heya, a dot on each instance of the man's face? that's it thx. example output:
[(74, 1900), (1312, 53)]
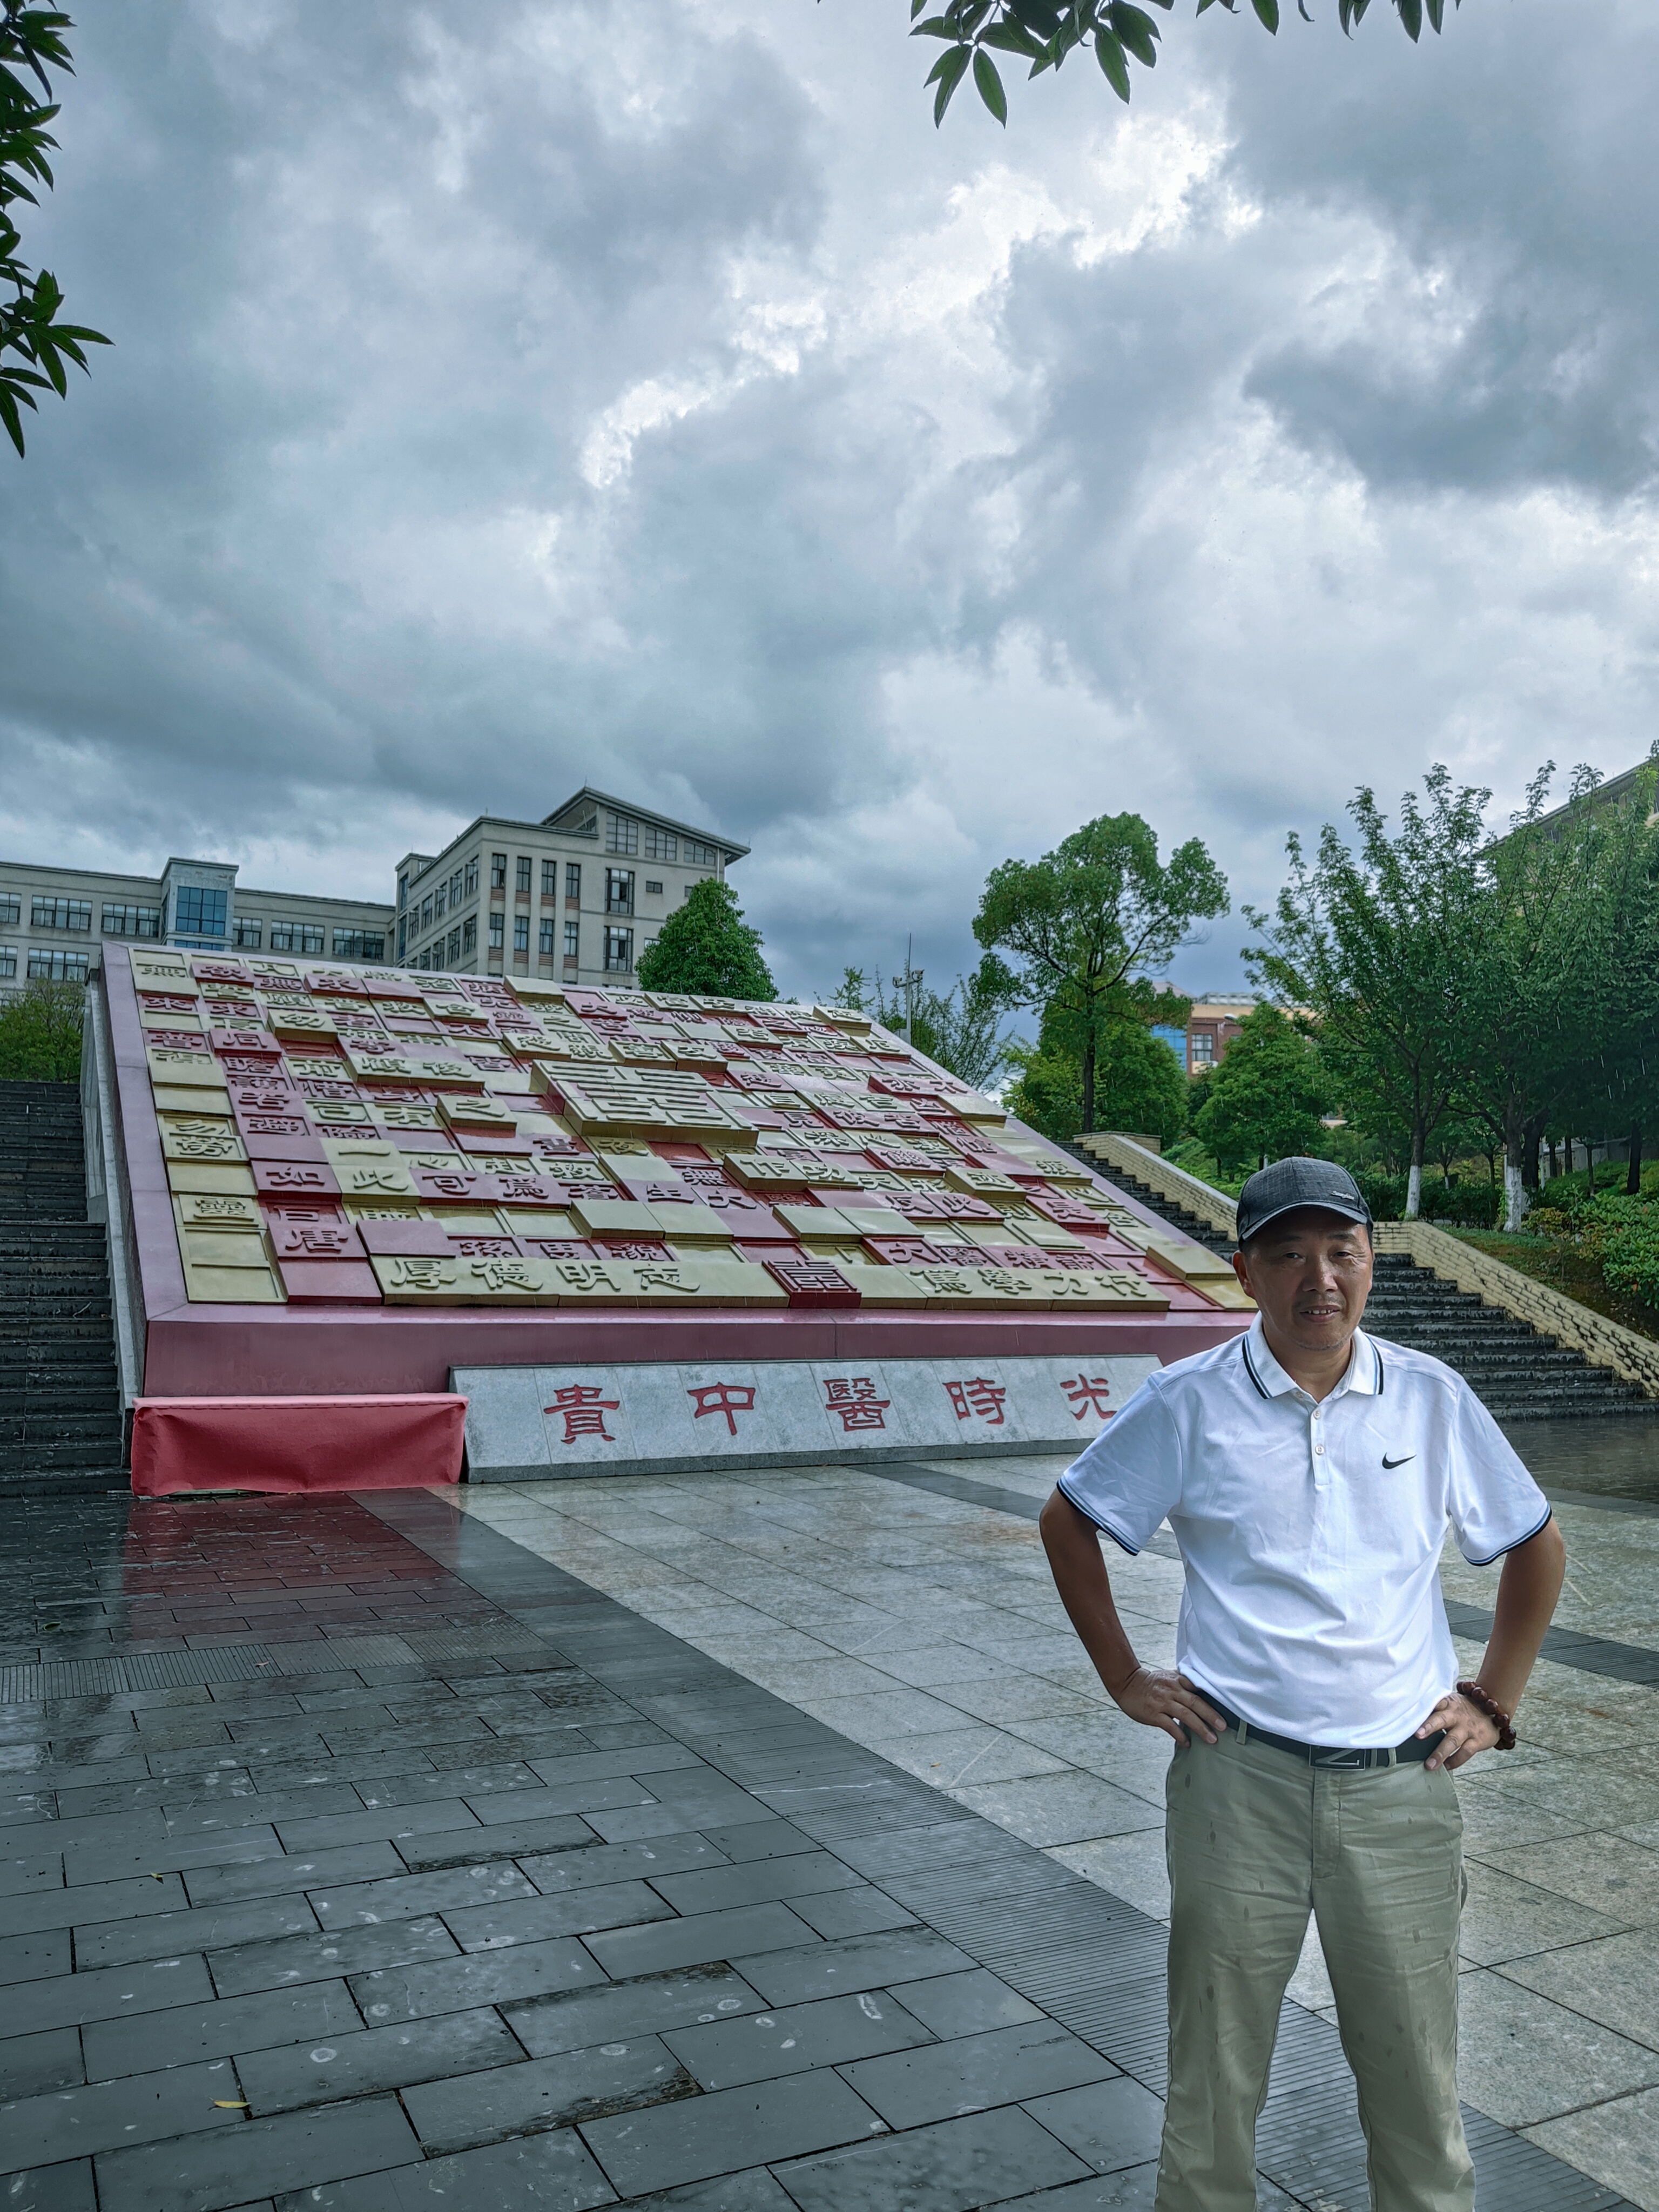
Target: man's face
[(1310, 1273)]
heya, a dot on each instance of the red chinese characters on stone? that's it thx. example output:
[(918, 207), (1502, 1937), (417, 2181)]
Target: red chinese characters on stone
[(727, 1398), (583, 1406), (978, 1398), (1088, 1394), (852, 1398)]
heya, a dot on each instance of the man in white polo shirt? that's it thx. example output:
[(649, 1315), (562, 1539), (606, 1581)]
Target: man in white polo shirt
[(1309, 1472)]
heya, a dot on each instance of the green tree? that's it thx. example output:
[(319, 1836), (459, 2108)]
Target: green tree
[(961, 1029), (1140, 1086), (1044, 32), (1088, 921), (33, 344), (41, 1034), (707, 946), (1378, 944), (1265, 1100)]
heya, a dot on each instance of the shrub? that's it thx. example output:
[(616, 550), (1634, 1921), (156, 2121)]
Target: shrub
[(1630, 1256), (1469, 1205), (1384, 1193)]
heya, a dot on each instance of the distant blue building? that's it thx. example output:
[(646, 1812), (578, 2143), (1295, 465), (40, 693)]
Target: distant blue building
[(1176, 1041)]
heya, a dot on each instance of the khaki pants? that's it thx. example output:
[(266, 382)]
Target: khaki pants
[(1257, 1839)]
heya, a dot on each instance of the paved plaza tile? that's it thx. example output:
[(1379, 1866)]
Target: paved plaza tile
[(734, 1844)]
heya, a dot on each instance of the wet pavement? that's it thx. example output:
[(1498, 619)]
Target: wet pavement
[(363, 1855)]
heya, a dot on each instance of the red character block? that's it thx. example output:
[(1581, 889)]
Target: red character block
[(294, 1179), (812, 1283), (278, 1137), (309, 1233)]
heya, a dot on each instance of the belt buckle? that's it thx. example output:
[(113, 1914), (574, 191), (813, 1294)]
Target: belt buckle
[(1341, 1759)]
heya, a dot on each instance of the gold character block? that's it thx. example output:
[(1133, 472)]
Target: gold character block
[(884, 1286), (158, 1018), (380, 1067), (501, 1282), (234, 1213), (874, 1221), (199, 1137), (416, 1282), (1232, 1297), (691, 1225), (228, 1180), (191, 1070), (592, 1283), (337, 1113), (1106, 1289), (1194, 1263), (159, 971), (818, 1222), (470, 1221), (368, 1170), (408, 1117), (615, 1217), (292, 1021), (177, 1099), (462, 1111), (232, 1286)]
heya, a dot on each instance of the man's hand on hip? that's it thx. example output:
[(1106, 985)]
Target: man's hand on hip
[(1468, 1731), (1160, 1698)]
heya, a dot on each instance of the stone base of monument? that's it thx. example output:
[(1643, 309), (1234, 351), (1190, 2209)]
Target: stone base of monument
[(532, 1423)]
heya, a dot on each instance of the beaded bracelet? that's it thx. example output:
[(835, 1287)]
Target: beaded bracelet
[(1493, 1709)]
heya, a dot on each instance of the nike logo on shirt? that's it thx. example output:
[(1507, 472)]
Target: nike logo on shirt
[(1400, 1461)]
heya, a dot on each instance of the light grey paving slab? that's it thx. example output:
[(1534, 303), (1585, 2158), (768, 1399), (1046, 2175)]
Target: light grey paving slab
[(1522, 2058), (1614, 1982), (1062, 1808), (1605, 1872), (1617, 2143)]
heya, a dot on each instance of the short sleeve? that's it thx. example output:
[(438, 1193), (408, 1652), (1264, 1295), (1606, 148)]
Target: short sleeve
[(1130, 1477), (1491, 1496)]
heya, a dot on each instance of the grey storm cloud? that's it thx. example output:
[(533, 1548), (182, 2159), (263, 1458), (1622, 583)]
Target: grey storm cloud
[(542, 394)]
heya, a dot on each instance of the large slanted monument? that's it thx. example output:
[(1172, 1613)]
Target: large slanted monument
[(636, 1231)]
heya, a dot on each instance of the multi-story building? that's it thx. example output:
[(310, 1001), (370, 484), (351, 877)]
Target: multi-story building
[(577, 896), (1210, 1028)]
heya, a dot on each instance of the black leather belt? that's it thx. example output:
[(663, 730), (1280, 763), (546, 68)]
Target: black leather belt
[(1340, 1758)]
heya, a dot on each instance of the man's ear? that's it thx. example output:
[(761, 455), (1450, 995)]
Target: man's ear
[(1242, 1269)]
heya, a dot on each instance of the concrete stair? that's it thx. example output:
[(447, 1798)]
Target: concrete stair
[(60, 1407), (1519, 1372)]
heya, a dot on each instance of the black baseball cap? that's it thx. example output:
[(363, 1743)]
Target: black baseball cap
[(1288, 1184)]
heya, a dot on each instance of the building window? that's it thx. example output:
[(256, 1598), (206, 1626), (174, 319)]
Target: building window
[(498, 872), (76, 913), (573, 879), (698, 856), (248, 934), (571, 939), (1203, 1048), (652, 887), (57, 967), (619, 890), (521, 932), (127, 920), (521, 875), (403, 934), (470, 933), (662, 845), (10, 910), (544, 944), (622, 833), (472, 875), (440, 901), (426, 913), (8, 963), (198, 911), (549, 878), (456, 892), (497, 931), (618, 952), (295, 937), (358, 945), (402, 892), (454, 946)]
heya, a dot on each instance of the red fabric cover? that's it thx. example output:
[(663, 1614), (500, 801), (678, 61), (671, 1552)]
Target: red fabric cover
[(295, 1443)]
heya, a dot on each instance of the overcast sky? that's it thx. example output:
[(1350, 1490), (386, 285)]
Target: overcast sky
[(537, 393)]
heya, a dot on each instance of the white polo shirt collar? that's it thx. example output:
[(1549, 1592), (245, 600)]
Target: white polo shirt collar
[(1364, 1371)]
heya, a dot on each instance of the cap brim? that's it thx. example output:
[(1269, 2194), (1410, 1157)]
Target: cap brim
[(1344, 1208)]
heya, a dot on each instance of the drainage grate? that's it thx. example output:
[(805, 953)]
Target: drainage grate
[(179, 1670)]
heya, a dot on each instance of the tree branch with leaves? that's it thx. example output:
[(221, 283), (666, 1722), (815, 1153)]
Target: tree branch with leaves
[(1117, 32), (34, 345)]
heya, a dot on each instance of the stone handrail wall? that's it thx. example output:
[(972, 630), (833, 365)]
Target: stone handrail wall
[(1213, 1207), (1604, 1343)]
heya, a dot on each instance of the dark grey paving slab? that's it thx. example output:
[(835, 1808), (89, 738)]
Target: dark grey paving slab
[(546, 2092), (296, 2150), (662, 1945), (728, 2130), (717, 1889), (539, 2173), (69, 2124), (860, 1911), (759, 2047), (603, 1863), (372, 2059), (222, 1816), (965, 2004), (30, 2064), (949, 2167), (65, 2188), (974, 2072), (319, 1958), (508, 1840), (38, 1870), (29, 1958), (115, 1862), (762, 1836), (573, 1912), (618, 2010), (862, 1962), (307, 1870), (162, 1935), (410, 1896), (479, 1977), (107, 1993), (89, 1903), (328, 1827), (218, 2030), (1113, 2124), (1133, 2191)]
